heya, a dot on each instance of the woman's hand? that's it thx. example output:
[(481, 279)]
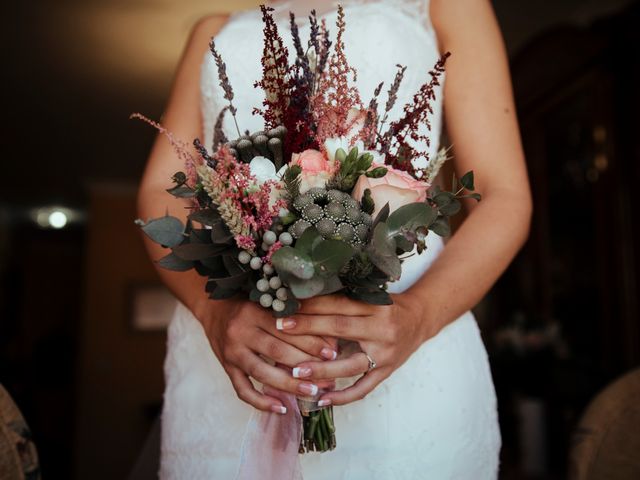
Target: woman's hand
[(241, 332), (388, 334)]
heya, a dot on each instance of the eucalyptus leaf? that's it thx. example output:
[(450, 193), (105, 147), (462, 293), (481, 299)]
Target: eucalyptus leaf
[(293, 261), (167, 231), (235, 281), (175, 263), (182, 191), (403, 243), (451, 208), (221, 234), (332, 285), (372, 297), (382, 252), (409, 217), (230, 262), (382, 216), (196, 251), (475, 196), (329, 256), (443, 198), (221, 293), (441, 227), (467, 180), (206, 216), (308, 240), (302, 289)]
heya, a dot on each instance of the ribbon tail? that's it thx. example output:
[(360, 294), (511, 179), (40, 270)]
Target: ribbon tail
[(271, 441)]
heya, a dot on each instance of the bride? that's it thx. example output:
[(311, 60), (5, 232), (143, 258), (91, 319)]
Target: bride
[(428, 408)]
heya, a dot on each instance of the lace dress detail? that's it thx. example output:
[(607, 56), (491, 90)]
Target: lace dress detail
[(436, 416)]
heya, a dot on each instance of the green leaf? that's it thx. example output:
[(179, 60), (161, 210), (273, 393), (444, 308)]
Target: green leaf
[(467, 180), (221, 234), (182, 191), (234, 281), (382, 252), (222, 293), (302, 289), (308, 240), (340, 155), (175, 263), (197, 251), (451, 208), (255, 294), (380, 217), (443, 198), (332, 285), (409, 217), (475, 196), (441, 227), (167, 231), (206, 216), (292, 172), (231, 263), (372, 297), (364, 162), (377, 172), (368, 205), (292, 261), (329, 256), (403, 243)]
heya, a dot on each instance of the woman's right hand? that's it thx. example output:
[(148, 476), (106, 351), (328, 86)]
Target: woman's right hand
[(241, 333)]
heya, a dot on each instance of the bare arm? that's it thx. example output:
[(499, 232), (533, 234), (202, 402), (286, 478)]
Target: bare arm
[(482, 125), (239, 331)]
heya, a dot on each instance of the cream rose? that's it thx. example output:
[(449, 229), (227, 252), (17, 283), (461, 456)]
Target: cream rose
[(397, 188), (317, 170)]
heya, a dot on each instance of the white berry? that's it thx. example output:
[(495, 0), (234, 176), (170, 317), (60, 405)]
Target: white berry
[(262, 285), (244, 257), (268, 269), (286, 238), (265, 247), (277, 305), (275, 283), (266, 300), (269, 237), (281, 293), (255, 263)]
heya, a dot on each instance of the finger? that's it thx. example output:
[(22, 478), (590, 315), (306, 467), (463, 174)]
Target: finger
[(248, 394), (314, 345), (275, 377), (343, 368), (278, 350), (357, 391), (340, 326), (335, 305)]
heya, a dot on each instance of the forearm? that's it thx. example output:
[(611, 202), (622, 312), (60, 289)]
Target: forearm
[(473, 259)]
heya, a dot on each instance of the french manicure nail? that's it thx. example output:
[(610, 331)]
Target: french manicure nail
[(325, 402), (279, 409), (285, 323), (308, 389), (328, 354), (301, 372)]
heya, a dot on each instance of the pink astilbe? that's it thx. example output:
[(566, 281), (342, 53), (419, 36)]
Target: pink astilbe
[(275, 73), (395, 143), (244, 205), (334, 96), (182, 149)]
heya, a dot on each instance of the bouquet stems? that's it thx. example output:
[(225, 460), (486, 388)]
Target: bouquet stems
[(318, 431)]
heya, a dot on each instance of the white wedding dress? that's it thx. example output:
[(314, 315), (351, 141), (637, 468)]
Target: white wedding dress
[(435, 417)]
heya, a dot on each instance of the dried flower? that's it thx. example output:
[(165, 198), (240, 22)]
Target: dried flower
[(224, 81)]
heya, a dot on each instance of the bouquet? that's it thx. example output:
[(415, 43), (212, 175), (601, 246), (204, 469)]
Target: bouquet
[(325, 199)]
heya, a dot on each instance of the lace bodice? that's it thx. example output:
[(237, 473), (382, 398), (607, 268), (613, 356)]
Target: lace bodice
[(379, 35)]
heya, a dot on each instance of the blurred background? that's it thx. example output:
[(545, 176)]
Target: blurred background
[(81, 323)]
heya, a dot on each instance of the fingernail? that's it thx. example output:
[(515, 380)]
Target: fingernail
[(279, 409), (308, 389), (325, 402), (328, 354), (301, 372), (285, 323)]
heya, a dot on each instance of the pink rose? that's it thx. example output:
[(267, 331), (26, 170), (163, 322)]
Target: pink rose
[(316, 169), (398, 188)]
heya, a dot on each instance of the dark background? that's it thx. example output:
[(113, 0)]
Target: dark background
[(559, 326)]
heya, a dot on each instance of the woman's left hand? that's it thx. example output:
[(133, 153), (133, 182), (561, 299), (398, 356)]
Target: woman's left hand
[(388, 334)]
